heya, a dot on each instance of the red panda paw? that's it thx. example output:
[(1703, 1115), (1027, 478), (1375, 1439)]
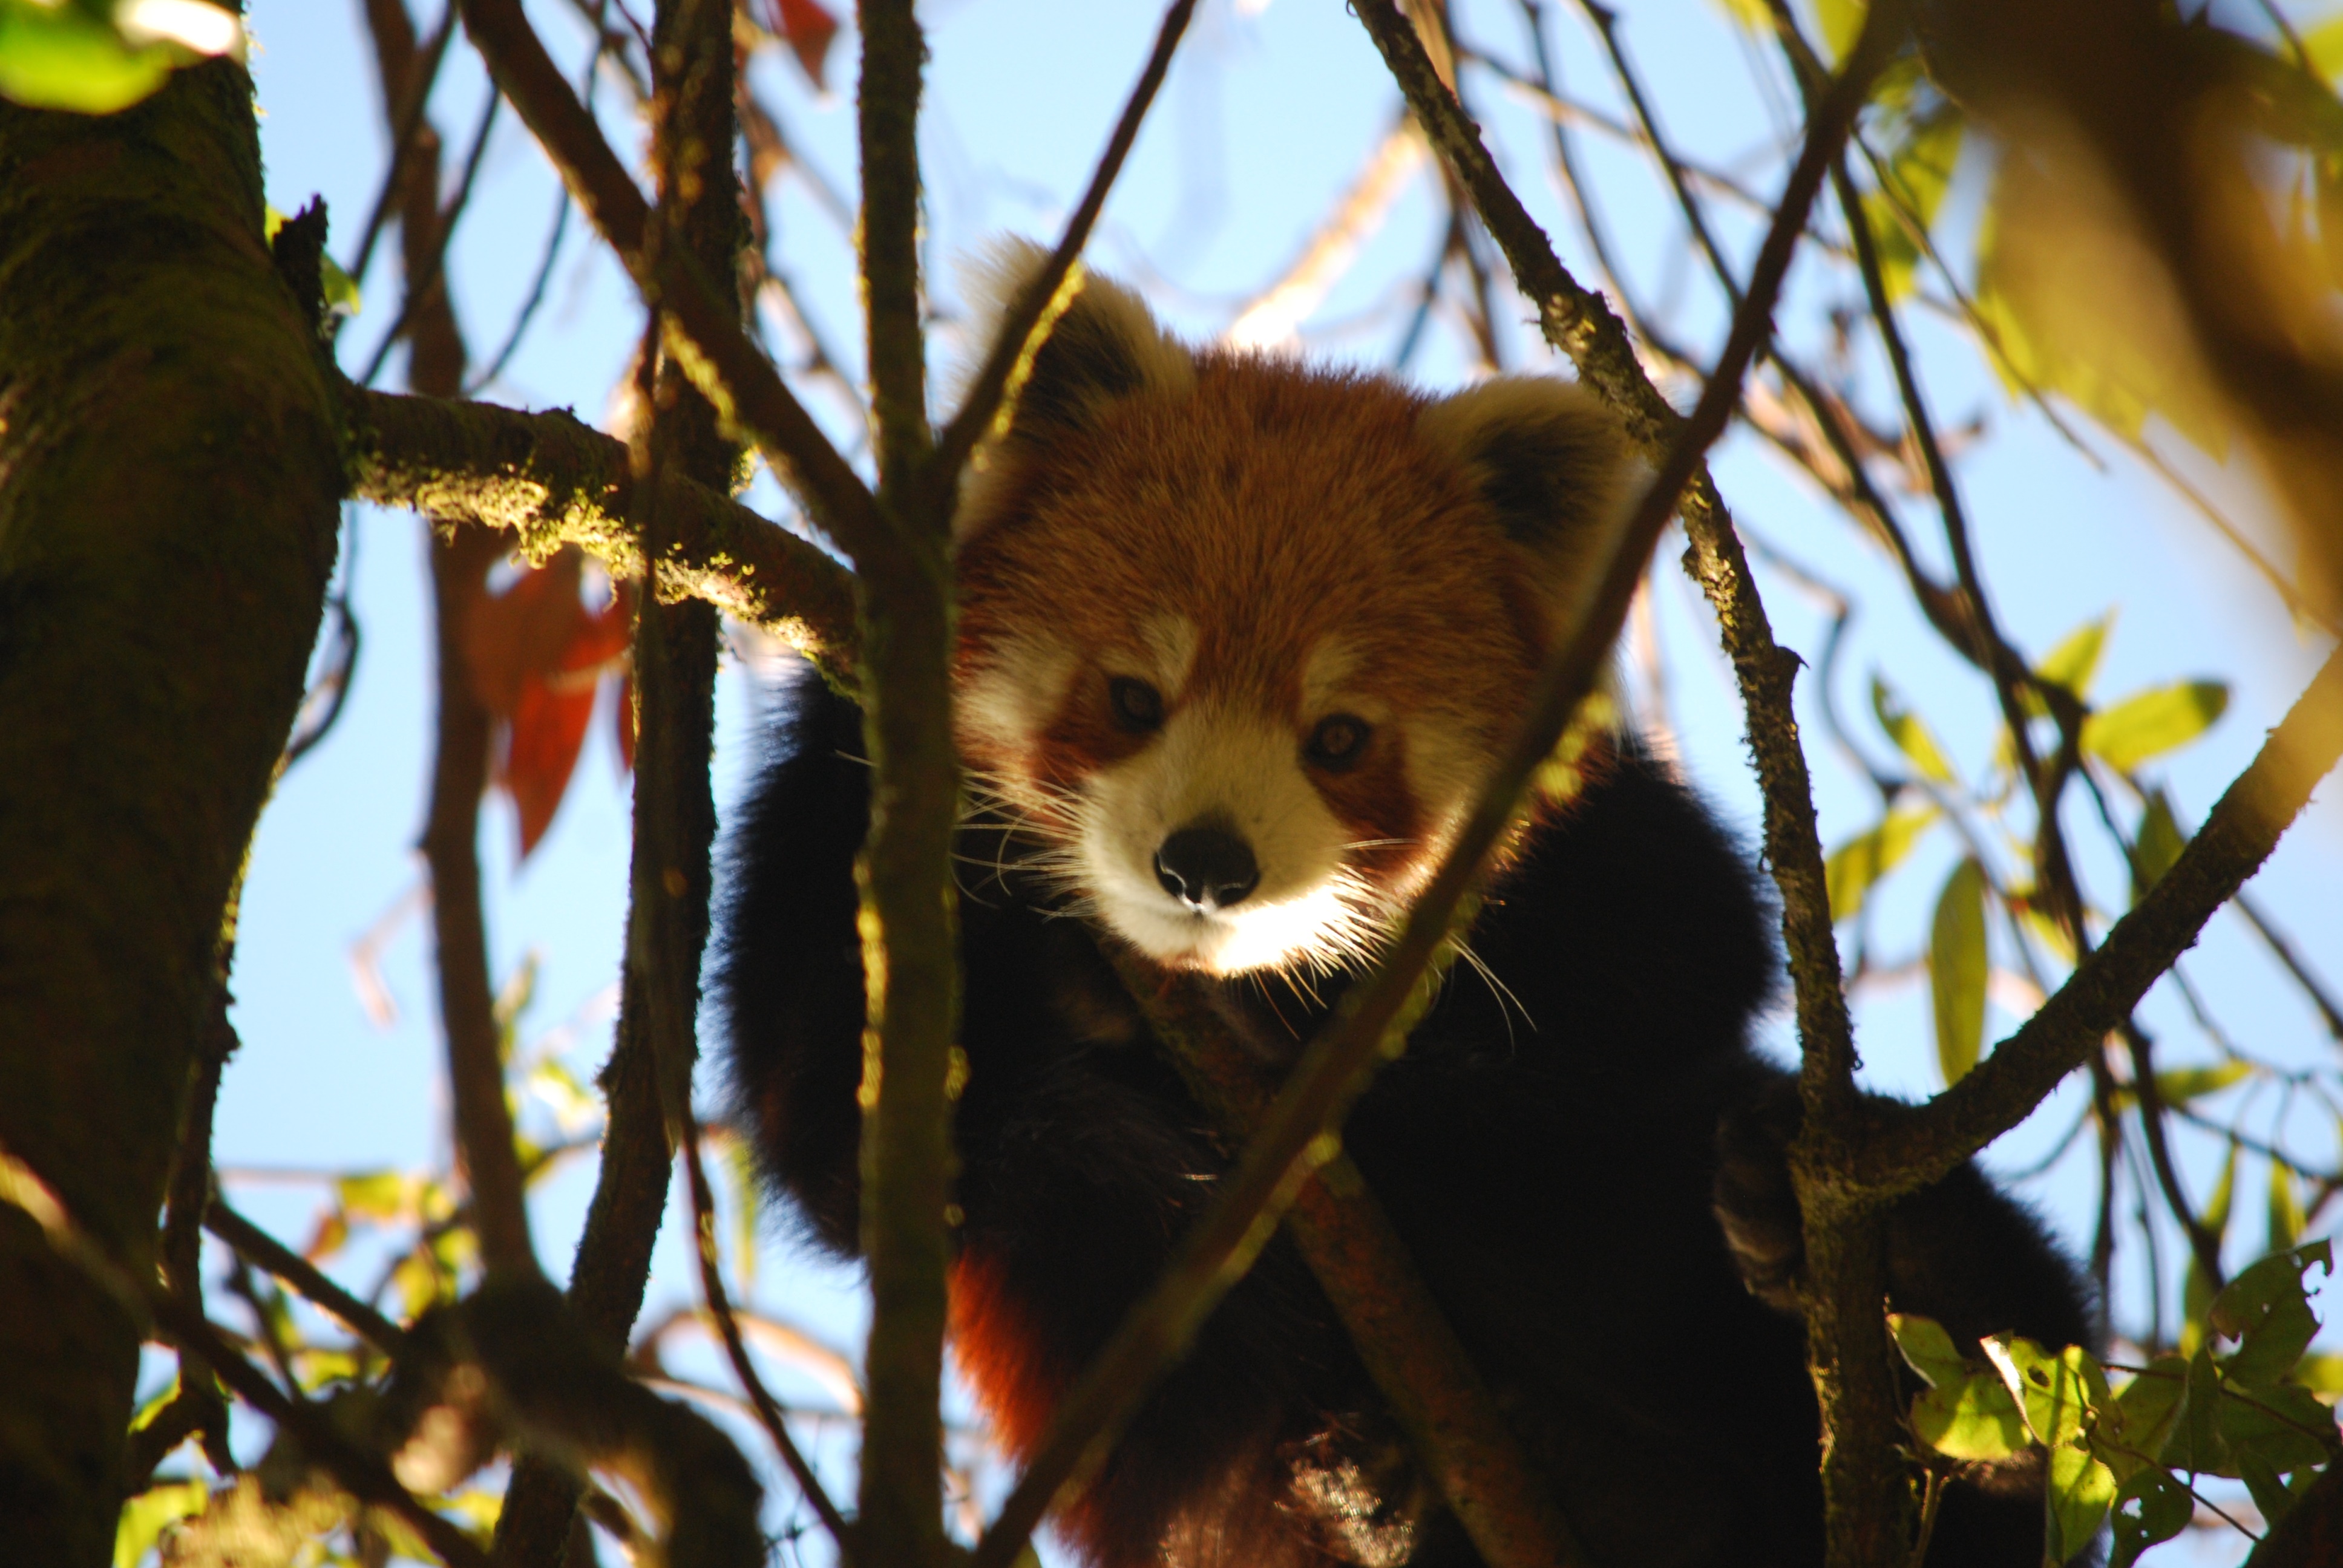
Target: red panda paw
[(1755, 1201)]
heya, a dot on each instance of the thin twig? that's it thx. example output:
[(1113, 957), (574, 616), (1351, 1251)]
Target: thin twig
[(738, 379), (406, 118), (257, 1246), (2239, 834), (418, 288), (1015, 342), (719, 1308)]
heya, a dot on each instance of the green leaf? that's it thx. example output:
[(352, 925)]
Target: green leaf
[(145, 1516), (2151, 1507), (2267, 1309), (1852, 867), (2153, 722), (62, 57), (1972, 1418), (1929, 1349), (1957, 970), (2285, 1216), (2141, 1417), (2074, 662), (1919, 169), (2268, 1486), (2179, 1085), (1842, 21), (2057, 1392), (1910, 735), (2159, 844), (2283, 1427), (2082, 1489), (2216, 1207), (2195, 1444)]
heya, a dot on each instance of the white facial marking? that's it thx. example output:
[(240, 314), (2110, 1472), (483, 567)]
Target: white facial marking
[(1242, 772), (1004, 706)]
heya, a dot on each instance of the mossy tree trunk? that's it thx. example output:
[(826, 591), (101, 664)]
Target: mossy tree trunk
[(169, 486)]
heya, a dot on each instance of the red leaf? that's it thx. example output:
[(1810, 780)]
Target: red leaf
[(809, 28), (553, 696), (626, 718), (549, 726), (522, 631)]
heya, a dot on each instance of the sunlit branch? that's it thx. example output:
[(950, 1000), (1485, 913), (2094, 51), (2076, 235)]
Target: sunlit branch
[(549, 480), (719, 1308), (2239, 834), (742, 383)]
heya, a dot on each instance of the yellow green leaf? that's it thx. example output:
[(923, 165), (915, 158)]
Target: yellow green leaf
[(2324, 43), (1957, 970), (2057, 1391), (61, 57), (2286, 1216), (1852, 867), (1929, 1349), (2179, 1085), (1841, 21), (2153, 722), (2082, 1489), (1972, 1418), (2074, 661), (2158, 846), (1919, 169), (1910, 735), (145, 1516)]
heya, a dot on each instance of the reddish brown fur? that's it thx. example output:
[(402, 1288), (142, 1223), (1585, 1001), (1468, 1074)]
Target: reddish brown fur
[(1357, 526)]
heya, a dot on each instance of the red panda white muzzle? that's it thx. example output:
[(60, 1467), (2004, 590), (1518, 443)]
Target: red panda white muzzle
[(1239, 639)]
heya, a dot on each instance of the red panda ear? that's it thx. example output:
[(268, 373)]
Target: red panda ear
[(1106, 346), (1552, 462)]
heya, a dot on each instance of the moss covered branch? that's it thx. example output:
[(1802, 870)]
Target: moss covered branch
[(548, 480)]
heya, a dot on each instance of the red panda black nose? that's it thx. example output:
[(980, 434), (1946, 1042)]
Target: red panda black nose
[(1207, 866)]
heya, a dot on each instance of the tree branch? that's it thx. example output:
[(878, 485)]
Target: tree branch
[(1360, 1261), (550, 480), (735, 376), (2239, 835)]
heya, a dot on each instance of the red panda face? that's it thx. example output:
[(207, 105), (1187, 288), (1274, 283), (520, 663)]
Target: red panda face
[(1240, 640)]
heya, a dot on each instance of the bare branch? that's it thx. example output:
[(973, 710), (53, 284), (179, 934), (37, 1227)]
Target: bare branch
[(887, 118), (259, 1246), (2239, 834), (746, 389)]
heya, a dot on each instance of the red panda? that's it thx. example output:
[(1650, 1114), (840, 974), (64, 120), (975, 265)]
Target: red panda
[(1239, 640)]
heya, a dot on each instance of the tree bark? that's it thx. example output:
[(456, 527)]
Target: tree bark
[(168, 490)]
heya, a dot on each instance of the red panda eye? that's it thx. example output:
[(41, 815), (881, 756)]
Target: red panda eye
[(1338, 740), (1138, 707)]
